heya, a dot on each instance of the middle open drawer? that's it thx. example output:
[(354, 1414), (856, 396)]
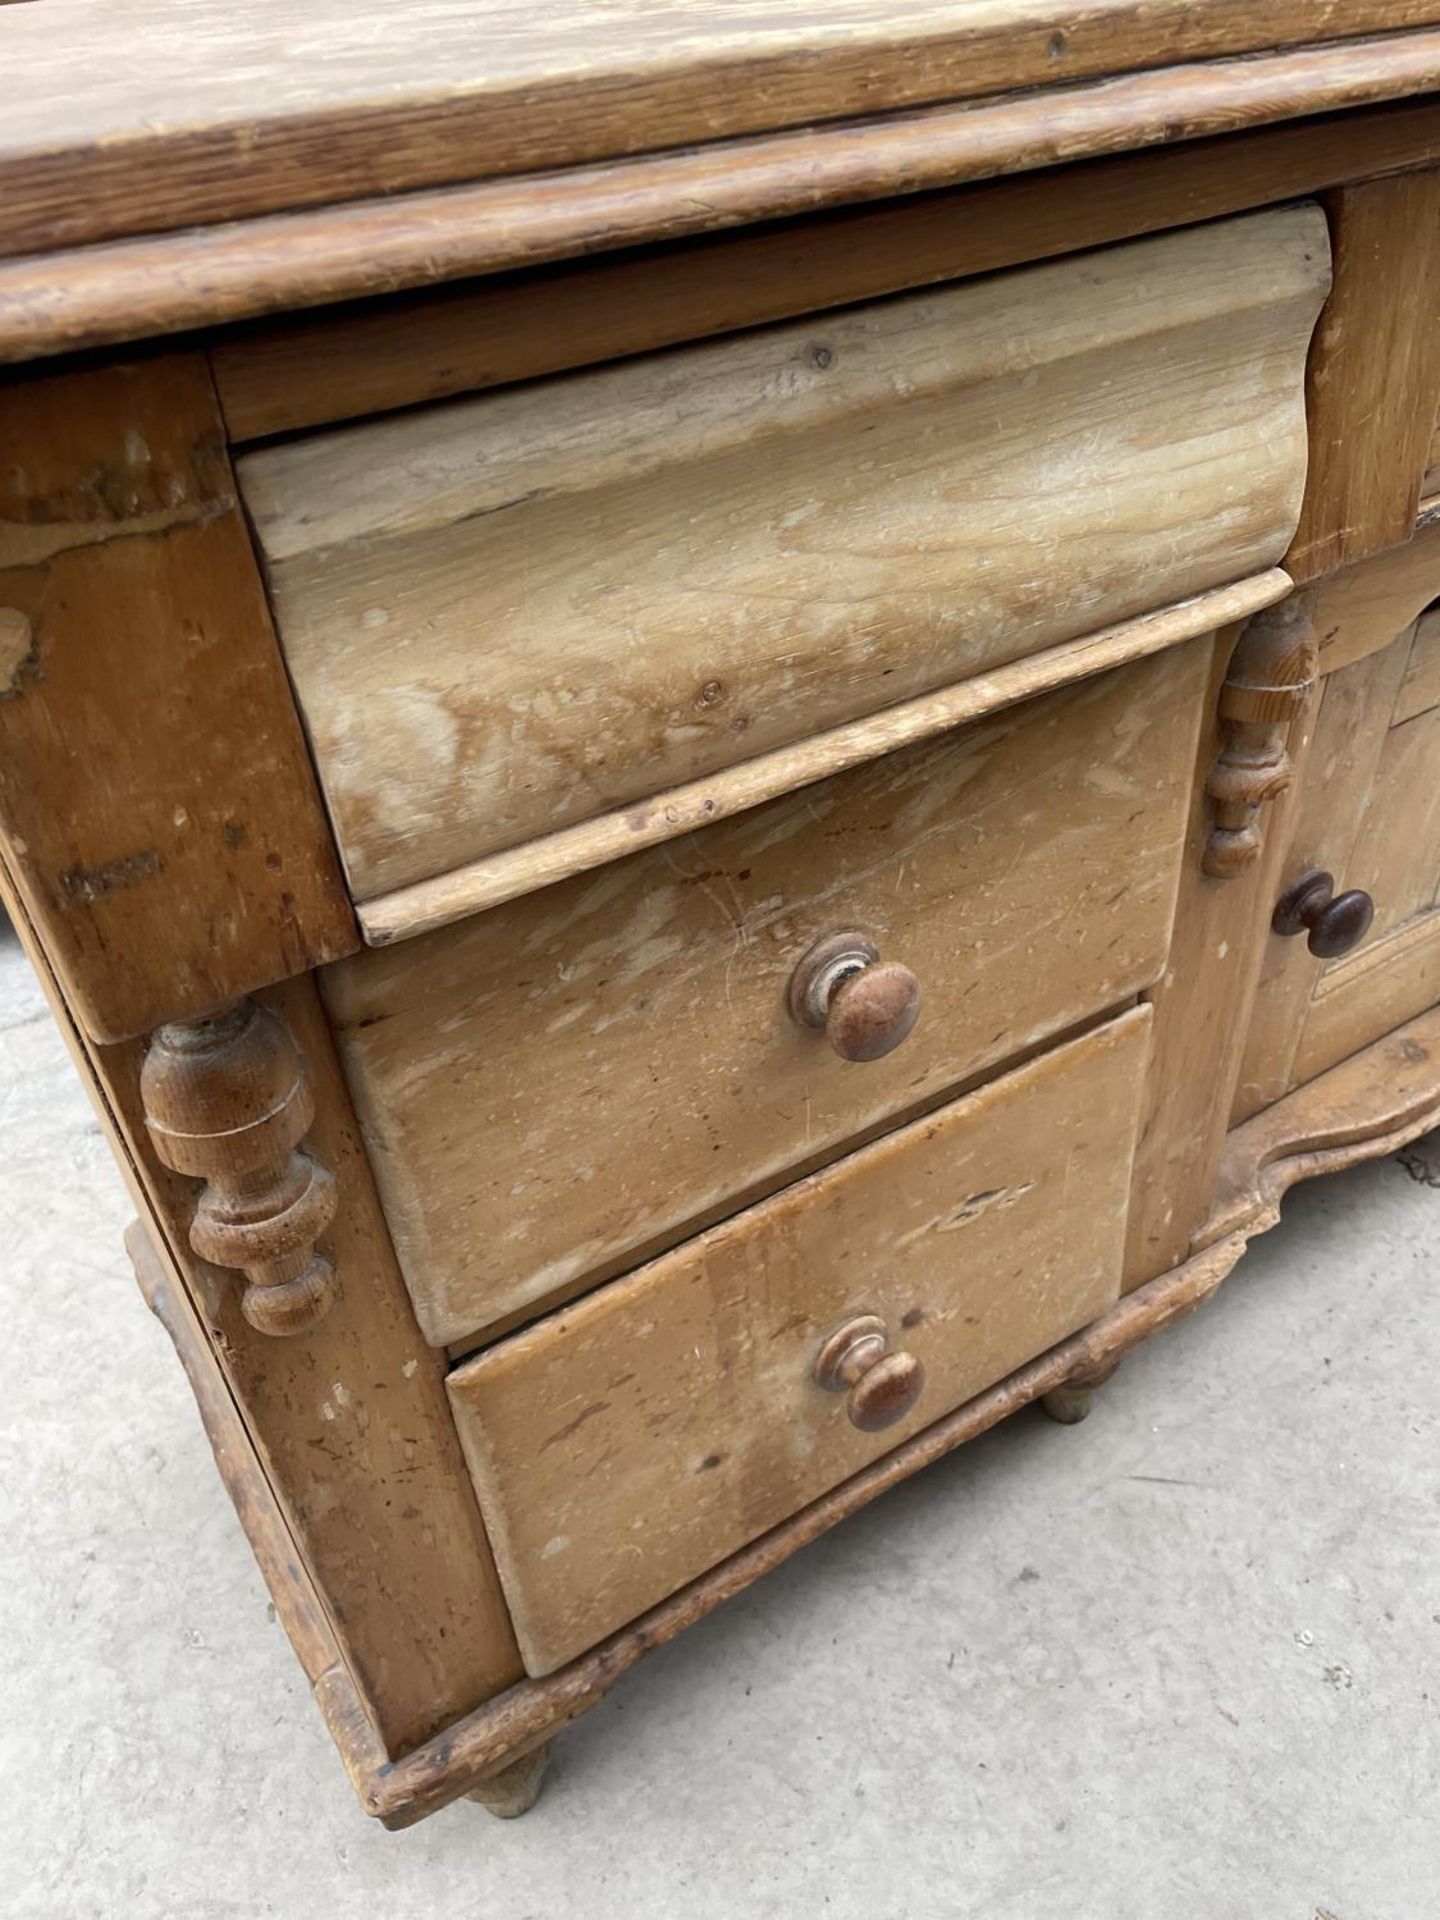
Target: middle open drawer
[(572, 1081)]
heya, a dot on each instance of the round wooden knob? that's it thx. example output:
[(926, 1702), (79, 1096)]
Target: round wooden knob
[(883, 1386), (865, 1005), (1334, 922)]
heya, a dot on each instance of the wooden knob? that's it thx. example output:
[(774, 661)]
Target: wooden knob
[(1334, 922), (865, 1005), (883, 1386)]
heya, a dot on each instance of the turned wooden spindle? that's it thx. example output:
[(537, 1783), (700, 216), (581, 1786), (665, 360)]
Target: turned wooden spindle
[(227, 1101), (856, 1360), (864, 1005), (1271, 672)]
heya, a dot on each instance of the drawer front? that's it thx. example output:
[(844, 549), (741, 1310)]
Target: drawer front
[(570, 1081), (508, 615), (636, 1438)]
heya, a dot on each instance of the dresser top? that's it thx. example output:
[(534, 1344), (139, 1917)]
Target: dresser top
[(140, 119)]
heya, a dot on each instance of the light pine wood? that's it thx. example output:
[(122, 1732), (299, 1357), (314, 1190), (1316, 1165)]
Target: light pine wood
[(480, 884), (638, 1437), (1420, 685), (1203, 1001), (1386, 1094), (156, 801), (299, 1607), (558, 1082), (1369, 1106), (1266, 690), (1396, 856), (199, 277), (309, 370), (1354, 713), (1374, 377), (1361, 609), (514, 613), (232, 112), (378, 1480), (227, 1100)]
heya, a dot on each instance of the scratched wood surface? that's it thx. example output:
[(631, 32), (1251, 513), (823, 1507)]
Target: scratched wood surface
[(510, 614), (558, 1082), (1368, 811), (636, 1438), (1373, 381), (311, 369), (172, 113), (156, 797)]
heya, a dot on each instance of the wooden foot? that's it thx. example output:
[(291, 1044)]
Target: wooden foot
[(1069, 1403), (516, 1788)]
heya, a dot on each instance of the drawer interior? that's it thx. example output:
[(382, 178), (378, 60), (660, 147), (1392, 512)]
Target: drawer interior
[(512, 614), (635, 1438), (559, 1086)]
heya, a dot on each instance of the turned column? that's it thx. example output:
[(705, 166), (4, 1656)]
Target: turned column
[(227, 1101), (1266, 685)]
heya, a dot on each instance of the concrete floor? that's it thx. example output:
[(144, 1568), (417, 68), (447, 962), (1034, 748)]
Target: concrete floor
[(1180, 1661)]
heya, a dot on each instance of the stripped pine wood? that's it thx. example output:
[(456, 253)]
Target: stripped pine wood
[(629, 1443), (1420, 686), (1370, 994), (552, 1085), (1344, 753), (309, 370), (1373, 382), (485, 883), (1202, 1003), (511, 614), (203, 277), (156, 799), (433, 1637), (237, 112)]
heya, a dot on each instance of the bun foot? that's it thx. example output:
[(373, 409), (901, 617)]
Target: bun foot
[(1069, 1403), (516, 1788)]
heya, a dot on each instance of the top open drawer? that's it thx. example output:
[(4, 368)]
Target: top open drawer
[(508, 615)]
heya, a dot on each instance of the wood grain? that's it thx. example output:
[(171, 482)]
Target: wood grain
[(1202, 1003), (1361, 609), (228, 113), (1374, 376), (1344, 751), (1382, 986), (1370, 1105), (555, 1083), (636, 1438), (310, 369), (54, 302), (374, 1492), (508, 615), (1420, 684), (156, 797), (281, 1563), (480, 884)]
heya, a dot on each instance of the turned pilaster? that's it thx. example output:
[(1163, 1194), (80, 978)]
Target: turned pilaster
[(1271, 672), (227, 1101)]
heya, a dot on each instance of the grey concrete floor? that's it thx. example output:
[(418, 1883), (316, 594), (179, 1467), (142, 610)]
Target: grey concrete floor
[(1181, 1660)]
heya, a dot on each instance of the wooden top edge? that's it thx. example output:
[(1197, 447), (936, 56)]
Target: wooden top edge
[(94, 296), (429, 904), (168, 113)]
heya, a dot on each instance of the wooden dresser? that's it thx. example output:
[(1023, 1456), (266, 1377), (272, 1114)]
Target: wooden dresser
[(720, 728)]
